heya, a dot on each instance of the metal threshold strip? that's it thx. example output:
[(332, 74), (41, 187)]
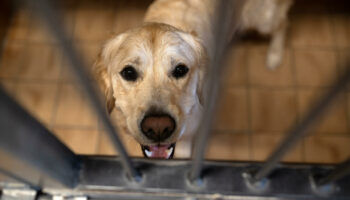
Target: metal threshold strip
[(104, 178)]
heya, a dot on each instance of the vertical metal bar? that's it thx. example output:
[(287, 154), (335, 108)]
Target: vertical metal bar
[(44, 10), (214, 72), (299, 131), (340, 171), (29, 152)]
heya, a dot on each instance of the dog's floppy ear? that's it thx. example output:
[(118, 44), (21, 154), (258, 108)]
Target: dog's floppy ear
[(101, 70), (201, 58), (103, 79)]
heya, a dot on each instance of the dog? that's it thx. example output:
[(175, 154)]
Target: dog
[(154, 76), (268, 17)]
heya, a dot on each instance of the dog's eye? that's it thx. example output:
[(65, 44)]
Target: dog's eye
[(180, 71), (129, 73)]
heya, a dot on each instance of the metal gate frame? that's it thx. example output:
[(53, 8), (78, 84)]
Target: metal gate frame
[(36, 165)]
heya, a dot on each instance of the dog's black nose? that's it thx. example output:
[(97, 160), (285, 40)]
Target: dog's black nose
[(158, 127)]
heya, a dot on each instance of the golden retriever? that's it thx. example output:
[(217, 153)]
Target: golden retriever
[(153, 76)]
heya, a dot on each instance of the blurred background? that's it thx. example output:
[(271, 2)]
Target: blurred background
[(257, 105)]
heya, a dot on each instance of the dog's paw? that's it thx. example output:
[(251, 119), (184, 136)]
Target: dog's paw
[(273, 60)]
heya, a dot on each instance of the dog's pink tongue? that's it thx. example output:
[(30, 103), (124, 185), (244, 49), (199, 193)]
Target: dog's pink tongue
[(159, 151)]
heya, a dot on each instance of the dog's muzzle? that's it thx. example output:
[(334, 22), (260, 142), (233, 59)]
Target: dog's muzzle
[(158, 127)]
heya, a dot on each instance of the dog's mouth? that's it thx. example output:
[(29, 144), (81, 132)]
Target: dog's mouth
[(159, 151)]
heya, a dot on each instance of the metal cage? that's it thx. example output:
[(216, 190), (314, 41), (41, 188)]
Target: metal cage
[(36, 165)]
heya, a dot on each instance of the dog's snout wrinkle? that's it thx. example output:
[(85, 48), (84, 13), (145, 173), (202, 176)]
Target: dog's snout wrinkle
[(158, 127)]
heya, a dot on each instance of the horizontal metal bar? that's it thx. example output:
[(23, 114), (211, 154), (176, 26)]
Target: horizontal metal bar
[(43, 10), (300, 130), (31, 154), (339, 172), (103, 178)]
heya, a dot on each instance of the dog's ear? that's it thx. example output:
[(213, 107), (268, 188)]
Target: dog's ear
[(101, 69), (102, 77), (201, 59)]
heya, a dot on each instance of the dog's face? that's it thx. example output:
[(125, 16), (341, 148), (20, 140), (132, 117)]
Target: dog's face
[(153, 76)]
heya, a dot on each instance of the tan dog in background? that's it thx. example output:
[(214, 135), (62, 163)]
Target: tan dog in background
[(154, 75), (268, 17)]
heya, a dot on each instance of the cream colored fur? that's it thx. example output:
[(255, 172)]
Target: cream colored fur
[(268, 17), (173, 32)]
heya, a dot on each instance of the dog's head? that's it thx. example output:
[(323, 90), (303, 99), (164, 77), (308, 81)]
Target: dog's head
[(153, 76)]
